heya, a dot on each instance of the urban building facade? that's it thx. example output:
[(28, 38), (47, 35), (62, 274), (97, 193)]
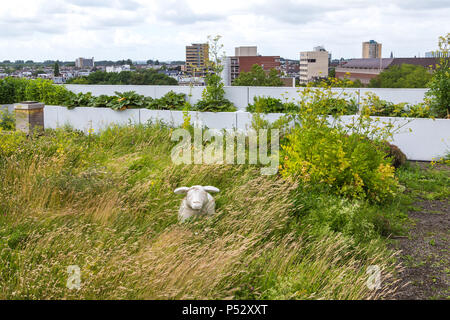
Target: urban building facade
[(313, 65), (233, 66), (197, 58), (117, 69), (371, 49), (83, 63), (366, 69)]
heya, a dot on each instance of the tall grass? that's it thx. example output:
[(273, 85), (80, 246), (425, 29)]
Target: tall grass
[(105, 202)]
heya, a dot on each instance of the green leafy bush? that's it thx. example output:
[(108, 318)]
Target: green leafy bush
[(439, 85), (14, 90), (341, 158), (7, 120), (79, 100), (126, 100), (374, 106), (271, 105), (170, 101), (102, 101)]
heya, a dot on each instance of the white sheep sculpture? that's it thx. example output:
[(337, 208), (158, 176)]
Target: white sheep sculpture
[(197, 201)]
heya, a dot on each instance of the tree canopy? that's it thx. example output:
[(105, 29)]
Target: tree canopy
[(258, 77), (404, 76)]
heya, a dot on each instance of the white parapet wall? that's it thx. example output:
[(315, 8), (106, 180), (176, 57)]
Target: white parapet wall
[(419, 139), (242, 96), (9, 107)]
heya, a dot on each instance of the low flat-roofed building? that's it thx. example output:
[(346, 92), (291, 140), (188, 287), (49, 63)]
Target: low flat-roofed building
[(366, 69)]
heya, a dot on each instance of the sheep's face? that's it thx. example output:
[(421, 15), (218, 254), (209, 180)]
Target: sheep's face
[(196, 196)]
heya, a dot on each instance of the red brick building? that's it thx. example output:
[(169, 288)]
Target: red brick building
[(245, 63)]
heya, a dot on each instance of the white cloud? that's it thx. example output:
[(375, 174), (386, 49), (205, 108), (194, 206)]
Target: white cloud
[(142, 29)]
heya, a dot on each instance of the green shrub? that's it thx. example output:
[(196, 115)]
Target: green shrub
[(374, 106), (271, 105), (170, 101), (126, 100), (341, 158), (102, 101), (439, 85), (12, 90), (79, 100), (7, 120)]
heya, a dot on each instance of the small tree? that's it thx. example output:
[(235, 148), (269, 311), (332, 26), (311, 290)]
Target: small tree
[(56, 70), (439, 85), (213, 96)]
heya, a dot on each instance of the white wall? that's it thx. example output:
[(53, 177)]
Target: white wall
[(10, 107), (242, 96), (428, 138)]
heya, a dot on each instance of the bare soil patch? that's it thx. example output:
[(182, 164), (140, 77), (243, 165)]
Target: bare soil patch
[(425, 251)]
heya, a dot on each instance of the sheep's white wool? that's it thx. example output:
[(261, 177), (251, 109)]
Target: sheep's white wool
[(197, 201)]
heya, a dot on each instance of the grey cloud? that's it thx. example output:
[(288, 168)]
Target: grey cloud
[(27, 27), (421, 5), (116, 4), (297, 13), (114, 21), (180, 13)]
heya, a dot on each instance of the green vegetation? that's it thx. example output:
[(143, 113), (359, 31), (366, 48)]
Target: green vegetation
[(271, 105), (7, 120), (372, 105), (105, 202), (128, 100), (139, 77), (332, 81), (350, 160), (333, 102), (56, 72), (404, 76), (258, 77), (14, 90), (213, 96), (439, 85)]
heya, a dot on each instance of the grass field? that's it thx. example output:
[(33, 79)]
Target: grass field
[(105, 202)]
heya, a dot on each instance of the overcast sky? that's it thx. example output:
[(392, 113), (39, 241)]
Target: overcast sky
[(160, 29)]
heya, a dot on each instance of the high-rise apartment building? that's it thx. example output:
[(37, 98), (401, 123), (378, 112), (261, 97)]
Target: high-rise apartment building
[(197, 58), (84, 63), (371, 49), (313, 65)]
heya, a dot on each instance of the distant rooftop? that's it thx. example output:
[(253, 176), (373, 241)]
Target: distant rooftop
[(374, 63)]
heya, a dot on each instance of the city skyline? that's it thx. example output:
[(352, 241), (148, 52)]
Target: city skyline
[(160, 30)]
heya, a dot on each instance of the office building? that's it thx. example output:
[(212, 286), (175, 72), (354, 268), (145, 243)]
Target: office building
[(197, 59), (83, 63), (371, 49), (313, 65)]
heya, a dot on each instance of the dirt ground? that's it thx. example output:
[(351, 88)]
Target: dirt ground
[(425, 252)]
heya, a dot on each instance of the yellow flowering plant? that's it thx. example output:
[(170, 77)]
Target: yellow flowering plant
[(348, 159)]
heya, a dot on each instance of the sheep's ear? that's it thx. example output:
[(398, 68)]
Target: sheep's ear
[(181, 190), (210, 189)]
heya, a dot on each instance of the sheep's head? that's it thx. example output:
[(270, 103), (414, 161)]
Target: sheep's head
[(196, 196)]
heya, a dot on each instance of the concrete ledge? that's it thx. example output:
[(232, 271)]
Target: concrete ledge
[(428, 139)]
